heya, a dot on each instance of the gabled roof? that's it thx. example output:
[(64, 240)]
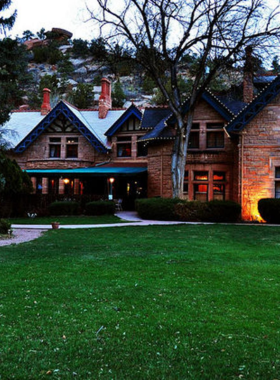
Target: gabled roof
[(247, 114), (153, 116), (132, 110), (25, 127), (163, 117)]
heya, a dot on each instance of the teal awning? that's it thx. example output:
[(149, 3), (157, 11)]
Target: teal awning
[(95, 171)]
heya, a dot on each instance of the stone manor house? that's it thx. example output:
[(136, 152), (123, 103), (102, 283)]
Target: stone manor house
[(234, 149)]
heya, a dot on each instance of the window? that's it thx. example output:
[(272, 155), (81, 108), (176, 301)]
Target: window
[(72, 147), (219, 185), (124, 146), (277, 182), (194, 137), (55, 147), (215, 135), (200, 189), (186, 182), (132, 124), (142, 149)]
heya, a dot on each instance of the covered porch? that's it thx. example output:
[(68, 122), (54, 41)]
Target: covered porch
[(102, 182)]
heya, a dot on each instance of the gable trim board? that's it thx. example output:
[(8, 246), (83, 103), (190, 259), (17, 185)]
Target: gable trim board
[(132, 110)]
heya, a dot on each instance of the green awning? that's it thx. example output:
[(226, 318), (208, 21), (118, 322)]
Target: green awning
[(95, 171)]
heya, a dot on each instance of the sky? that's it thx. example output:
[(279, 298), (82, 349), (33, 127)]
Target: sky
[(65, 14)]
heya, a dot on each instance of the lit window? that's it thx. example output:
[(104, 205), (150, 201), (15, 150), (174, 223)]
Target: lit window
[(200, 190), (124, 146), (219, 186)]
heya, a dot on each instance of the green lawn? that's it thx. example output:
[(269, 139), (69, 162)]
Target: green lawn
[(102, 219), (162, 302)]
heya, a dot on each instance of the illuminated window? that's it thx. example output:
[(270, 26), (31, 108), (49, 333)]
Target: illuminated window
[(55, 147), (277, 182), (72, 147), (124, 146), (219, 185), (215, 135), (200, 189)]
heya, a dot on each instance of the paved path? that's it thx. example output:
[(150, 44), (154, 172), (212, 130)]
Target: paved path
[(130, 217)]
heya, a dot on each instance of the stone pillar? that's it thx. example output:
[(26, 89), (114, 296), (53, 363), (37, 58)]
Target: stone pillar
[(76, 186), (45, 185), (61, 186)]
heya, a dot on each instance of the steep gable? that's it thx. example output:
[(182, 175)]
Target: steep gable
[(131, 111), (73, 117), (258, 104)]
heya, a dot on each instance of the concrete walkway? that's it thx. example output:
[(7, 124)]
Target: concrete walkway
[(130, 217)]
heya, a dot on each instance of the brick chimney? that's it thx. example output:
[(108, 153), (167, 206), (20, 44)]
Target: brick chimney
[(248, 87), (105, 100), (46, 107)]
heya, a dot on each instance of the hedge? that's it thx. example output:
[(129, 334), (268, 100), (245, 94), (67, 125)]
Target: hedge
[(64, 208), (269, 209), (188, 211), (100, 208), (157, 208)]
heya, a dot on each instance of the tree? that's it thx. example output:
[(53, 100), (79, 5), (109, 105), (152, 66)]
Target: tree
[(6, 22), (80, 48), (83, 96), (118, 96), (27, 35), (219, 30), (275, 65)]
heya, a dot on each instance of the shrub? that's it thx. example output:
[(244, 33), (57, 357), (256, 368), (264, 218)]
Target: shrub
[(269, 209), (5, 226), (64, 208), (213, 211), (157, 208), (100, 208), (190, 211)]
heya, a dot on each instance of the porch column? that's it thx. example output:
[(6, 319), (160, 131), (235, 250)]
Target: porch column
[(45, 185), (76, 186), (61, 186), (34, 184)]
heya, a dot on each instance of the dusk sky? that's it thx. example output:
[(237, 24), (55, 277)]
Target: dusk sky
[(66, 14)]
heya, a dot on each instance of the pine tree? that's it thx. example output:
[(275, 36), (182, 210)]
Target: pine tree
[(8, 22)]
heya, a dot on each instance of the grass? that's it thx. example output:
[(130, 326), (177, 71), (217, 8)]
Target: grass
[(160, 302), (102, 219)]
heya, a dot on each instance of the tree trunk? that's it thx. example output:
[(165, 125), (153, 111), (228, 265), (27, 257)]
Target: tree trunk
[(179, 155)]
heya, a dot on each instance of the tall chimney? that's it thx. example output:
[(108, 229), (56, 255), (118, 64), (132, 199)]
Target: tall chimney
[(46, 106), (105, 100), (248, 87)]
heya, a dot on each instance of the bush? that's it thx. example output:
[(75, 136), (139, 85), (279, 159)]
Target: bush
[(269, 209), (100, 208), (64, 208), (190, 211), (222, 212), (5, 226), (213, 211), (157, 208)]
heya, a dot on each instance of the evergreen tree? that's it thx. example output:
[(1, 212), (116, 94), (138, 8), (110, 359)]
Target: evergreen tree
[(118, 96), (6, 22), (83, 96), (275, 65)]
